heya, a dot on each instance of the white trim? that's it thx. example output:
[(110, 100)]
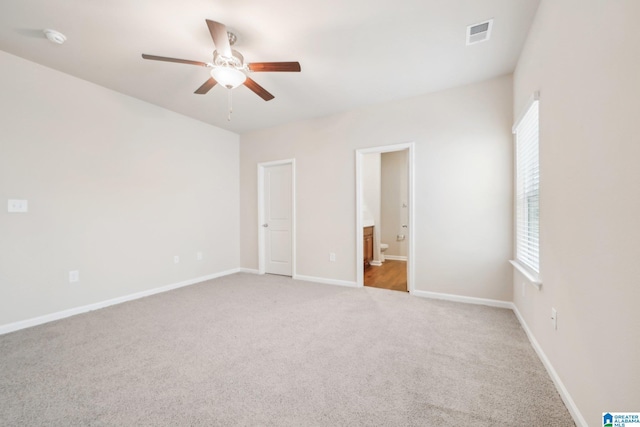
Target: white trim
[(411, 255), (411, 196), (359, 224), (260, 217), (562, 390), (22, 324), (261, 251), (533, 98), (326, 281), (463, 299), (395, 257), (375, 263), (531, 277), (249, 270)]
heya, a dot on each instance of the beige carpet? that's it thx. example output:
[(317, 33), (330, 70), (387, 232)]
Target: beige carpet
[(268, 350)]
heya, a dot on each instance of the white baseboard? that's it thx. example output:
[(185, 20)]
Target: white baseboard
[(562, 390), (395, 257), (22, 324), (460, 298), (325, 281)]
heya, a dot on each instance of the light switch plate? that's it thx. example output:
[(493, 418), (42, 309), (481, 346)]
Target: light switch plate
[(74, 276), (17, 206)]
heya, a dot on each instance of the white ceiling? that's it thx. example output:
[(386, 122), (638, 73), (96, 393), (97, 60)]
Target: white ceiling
[(353, 52)]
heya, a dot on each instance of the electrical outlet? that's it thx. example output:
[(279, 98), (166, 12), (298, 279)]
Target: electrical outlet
[(74, 276), (554, 318), (199, 256), (17, 206), (176, 259), (332, 256)]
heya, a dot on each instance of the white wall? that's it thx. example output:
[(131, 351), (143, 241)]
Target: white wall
[(463, 186), (583, 57), (394, 201), (116, 187)]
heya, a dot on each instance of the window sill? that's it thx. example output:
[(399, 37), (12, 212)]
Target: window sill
[(531, 277)]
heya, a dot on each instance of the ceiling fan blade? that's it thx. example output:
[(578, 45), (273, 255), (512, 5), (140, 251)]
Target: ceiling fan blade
[(220, 38), (206, 86), (180, 61), (258, 90), (274, 66)]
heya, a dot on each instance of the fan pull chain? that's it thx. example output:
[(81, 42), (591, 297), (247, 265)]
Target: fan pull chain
[(230, 105)]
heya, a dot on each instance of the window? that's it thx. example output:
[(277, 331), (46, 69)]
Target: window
[(528, 190)]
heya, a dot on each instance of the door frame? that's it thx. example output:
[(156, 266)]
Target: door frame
[(261, 239), (360, 153)]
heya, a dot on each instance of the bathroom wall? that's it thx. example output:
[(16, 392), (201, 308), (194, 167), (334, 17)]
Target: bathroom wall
[(393, 205)]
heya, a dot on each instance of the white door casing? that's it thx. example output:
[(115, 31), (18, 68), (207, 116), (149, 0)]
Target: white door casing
[(360, 153), (276, 184)]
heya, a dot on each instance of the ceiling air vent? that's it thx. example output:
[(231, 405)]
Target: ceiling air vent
[(477, 33)]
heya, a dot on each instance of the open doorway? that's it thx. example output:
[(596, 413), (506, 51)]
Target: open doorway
[(384, 220)]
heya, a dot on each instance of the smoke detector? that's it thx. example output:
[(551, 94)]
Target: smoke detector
[(480, 32), (54, 36)]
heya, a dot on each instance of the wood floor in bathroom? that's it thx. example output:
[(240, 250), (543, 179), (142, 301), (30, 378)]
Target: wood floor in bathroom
[(390, 275)]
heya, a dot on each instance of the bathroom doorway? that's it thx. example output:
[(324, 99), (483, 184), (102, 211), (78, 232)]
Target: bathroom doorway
[(384, 220)]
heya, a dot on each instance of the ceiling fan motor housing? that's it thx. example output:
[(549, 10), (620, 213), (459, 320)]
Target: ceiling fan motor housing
[(236, 61)]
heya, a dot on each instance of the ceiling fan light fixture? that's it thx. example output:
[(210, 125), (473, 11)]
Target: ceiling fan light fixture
[(228, 77)]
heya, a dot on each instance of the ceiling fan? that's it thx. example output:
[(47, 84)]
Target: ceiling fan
[(228, 67)]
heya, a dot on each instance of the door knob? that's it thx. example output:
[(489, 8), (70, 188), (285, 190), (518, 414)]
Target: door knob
[(265, 225)]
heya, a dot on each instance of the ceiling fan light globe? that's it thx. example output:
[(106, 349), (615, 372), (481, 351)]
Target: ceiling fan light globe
[(228, 77)]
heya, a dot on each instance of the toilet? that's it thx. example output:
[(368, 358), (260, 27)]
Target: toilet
[(383, 247)]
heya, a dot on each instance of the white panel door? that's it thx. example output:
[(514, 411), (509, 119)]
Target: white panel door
[(278, 213)]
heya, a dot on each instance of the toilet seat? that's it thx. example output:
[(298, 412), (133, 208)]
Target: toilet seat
[(383, 247)]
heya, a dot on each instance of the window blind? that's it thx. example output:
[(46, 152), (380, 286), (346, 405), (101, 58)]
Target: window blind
[(528, 190)]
